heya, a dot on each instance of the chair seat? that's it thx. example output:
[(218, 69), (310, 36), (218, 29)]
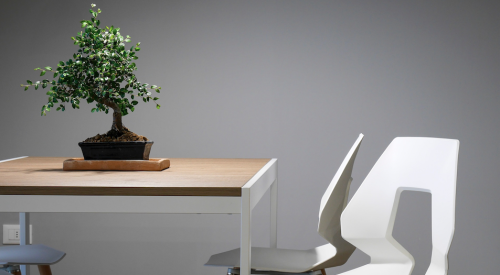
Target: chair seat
[(37, 254), (275, 259)]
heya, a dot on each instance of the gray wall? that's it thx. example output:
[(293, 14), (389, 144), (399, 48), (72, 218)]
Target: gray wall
[(295, 80)]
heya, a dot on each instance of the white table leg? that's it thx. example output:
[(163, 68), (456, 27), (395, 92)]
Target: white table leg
[(274, 215), (24, 223), (246, 230), (251, 193)]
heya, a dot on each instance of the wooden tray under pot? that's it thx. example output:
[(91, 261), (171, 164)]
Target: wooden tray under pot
[(79, 164)]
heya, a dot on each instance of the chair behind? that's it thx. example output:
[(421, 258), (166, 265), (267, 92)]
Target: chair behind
[(333, 202), (335, 199), (313, 261)]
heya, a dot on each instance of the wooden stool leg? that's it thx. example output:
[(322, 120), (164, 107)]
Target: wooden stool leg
[(322, 271), (44, 270)]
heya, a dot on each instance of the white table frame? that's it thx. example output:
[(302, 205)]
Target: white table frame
[(251, 193)]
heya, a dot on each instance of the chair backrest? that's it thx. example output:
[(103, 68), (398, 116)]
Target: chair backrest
[(335, 199), (409, 163)]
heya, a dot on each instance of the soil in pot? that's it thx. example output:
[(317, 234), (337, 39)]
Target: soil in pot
[(116, 136)]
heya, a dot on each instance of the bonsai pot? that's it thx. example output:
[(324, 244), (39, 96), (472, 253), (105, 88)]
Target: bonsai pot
[(124, 150)]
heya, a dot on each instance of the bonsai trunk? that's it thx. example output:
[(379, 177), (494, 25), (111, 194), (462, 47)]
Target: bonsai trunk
[(117, 116), (117, 121)]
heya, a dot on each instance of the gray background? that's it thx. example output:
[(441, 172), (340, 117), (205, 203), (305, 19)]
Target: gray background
[(295, 80)]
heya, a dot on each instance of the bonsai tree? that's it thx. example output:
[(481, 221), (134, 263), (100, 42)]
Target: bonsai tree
[(101, 72)]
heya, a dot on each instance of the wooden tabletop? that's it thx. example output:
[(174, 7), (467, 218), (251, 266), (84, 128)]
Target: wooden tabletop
[(185, 177)]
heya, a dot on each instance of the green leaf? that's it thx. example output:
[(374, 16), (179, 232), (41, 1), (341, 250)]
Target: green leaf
[(157, 90), (29, 82), (94, 110), (26, 88), (97, 74), (37, 69), (137, 49), (92, 5), (36, 86), (158, 106), (155, 98)]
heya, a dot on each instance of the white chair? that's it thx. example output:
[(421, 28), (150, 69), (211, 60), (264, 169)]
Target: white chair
[(417, 164), (43, 256), (312, 261)]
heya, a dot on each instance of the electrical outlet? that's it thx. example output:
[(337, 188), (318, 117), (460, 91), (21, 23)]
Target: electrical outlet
[(12, 234)]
